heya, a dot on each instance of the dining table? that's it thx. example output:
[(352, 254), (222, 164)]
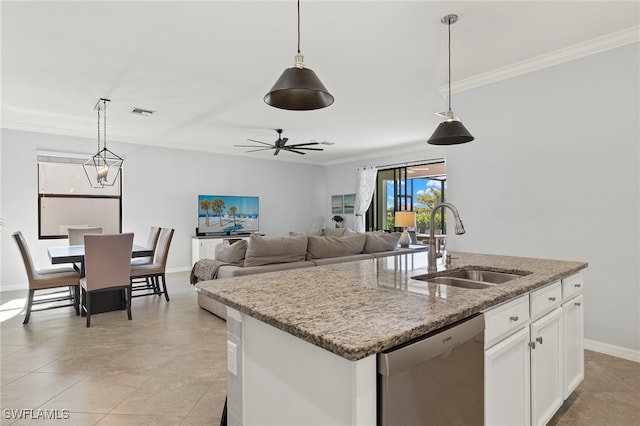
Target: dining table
[(105, 301)]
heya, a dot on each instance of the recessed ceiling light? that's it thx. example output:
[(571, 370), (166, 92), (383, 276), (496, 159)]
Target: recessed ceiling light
[(142, 111)]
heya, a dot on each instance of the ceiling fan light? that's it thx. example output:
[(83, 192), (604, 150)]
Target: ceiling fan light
[(299, 89), (450, 132)]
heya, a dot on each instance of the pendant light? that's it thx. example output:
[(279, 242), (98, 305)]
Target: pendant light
[(451, 131), (104, 167), (298, 88)]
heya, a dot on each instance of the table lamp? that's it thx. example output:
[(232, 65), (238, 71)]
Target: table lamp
[(404, 219)]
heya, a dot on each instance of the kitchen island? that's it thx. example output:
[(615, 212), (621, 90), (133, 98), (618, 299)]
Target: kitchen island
[(303, 343)]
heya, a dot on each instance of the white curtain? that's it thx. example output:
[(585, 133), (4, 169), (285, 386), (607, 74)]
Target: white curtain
[(364, 192)]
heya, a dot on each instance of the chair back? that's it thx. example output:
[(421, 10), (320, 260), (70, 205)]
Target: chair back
[(26, 256), (413, 239), (107, 260), (76, 235), (162, 249), (152, 242)]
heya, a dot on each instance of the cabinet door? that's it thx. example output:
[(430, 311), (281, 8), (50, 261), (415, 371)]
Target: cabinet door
[(546, 367), (507, 381), (208, 248), (573, 319)]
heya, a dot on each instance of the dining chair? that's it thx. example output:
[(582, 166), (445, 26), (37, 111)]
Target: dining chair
[(146, 283), (76, 235), (107, 263), (44, 279), (156, 270)]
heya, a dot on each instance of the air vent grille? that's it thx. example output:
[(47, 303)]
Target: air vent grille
[(142, 111)]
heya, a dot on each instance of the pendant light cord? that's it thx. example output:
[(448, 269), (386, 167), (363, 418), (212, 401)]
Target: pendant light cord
[(449, 27), (298, 26)]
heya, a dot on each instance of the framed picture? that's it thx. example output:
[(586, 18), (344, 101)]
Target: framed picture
[(337, 206), (349, 203)]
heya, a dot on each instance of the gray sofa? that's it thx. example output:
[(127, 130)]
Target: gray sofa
[(261, 254)]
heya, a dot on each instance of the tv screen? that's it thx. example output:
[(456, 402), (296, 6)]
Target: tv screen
[(228, 214)]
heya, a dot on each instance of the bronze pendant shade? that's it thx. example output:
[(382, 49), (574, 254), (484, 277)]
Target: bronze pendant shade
[(451, 131), (298, 88)]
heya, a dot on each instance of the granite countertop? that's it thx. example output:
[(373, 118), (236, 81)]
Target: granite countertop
[(357, 309)]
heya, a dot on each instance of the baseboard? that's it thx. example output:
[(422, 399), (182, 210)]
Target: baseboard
[(179, 269), (13, 287), (613, 350)]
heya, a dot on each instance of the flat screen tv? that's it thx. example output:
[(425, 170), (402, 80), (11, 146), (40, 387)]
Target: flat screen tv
[(228, 214)]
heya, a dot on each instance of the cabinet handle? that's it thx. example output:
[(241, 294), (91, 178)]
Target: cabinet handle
[(577, 285), (539, 339), (552, 299), (577, 303), (532, 345), (514, 318)]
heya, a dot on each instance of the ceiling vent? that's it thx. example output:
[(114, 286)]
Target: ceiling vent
[(142, 111)]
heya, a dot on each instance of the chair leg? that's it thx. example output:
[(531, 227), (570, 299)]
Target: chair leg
[(127, 294), (27, 314), (87, 303), (76, 299), (164, 287)]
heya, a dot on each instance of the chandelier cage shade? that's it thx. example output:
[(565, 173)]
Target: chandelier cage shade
[(299, 88), (103, 169), (451, 131)]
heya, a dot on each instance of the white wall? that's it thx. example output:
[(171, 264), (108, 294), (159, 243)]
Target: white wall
[(160, 188), (554, 173)]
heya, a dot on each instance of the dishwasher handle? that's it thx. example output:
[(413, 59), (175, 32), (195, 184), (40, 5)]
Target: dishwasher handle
[(433, 345)]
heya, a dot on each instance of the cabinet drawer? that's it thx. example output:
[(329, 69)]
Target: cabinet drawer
[(502, 320), (572, 286), (546, 299)]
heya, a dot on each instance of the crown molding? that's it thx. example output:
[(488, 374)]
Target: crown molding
[(576, 51)]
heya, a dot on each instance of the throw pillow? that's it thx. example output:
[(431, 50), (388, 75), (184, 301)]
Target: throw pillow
[(381, 242), (333, 232), (264, 251), (232, 253), (323, 247)]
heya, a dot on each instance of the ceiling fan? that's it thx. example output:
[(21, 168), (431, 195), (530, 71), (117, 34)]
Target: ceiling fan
[(281, 145)]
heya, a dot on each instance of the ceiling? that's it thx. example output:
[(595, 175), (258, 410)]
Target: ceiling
[(205, 66)]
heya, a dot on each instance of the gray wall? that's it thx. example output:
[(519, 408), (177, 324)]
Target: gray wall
[(553, 173), (160, 187)]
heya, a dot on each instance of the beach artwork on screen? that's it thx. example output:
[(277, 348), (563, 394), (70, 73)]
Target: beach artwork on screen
[(228, 214)]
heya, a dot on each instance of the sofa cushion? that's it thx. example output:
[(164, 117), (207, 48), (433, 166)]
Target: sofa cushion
[(323, 247), (228, 271), (233, 253), (333, 232), (264, 251), (381, 242)]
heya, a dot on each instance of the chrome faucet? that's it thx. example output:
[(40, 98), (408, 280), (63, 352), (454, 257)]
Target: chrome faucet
[(431, 267)]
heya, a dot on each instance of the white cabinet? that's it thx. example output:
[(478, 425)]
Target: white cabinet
[(534, 353), (573, 321), (205, 247), (546, 367), (507, 381)]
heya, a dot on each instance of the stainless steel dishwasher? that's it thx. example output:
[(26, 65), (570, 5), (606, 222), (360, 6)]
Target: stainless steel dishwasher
[(436, 380)]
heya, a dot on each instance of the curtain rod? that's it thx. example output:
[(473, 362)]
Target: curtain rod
[(413, 163)]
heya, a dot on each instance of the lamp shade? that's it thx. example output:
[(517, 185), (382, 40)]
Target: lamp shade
[(450, 132), (298, 89), (404, 219)]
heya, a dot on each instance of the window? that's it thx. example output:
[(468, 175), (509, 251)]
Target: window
[(66, 199), (417, 187)]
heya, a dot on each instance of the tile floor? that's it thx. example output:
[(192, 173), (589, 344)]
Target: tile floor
[(167, 367)]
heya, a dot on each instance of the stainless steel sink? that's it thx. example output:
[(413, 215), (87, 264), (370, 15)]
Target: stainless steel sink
[(492, 277), (476, 279), (460, 282)]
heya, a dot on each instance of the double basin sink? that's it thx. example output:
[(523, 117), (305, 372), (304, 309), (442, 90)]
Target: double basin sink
[(476, 279)]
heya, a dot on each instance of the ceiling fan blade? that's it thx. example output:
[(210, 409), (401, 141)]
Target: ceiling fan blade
[(263, 143), (276, 151), (297, 152), (251, 146), (305, 144), (259, 149), (284, 140), (308, 149)]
